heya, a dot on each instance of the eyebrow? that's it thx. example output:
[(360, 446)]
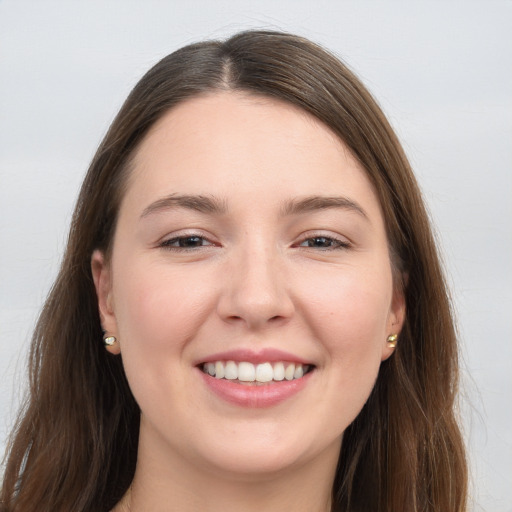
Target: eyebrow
[(313, 203), (213, 205), (202, 204)]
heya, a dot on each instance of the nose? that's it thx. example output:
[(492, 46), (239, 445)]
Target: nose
[(255, 291)]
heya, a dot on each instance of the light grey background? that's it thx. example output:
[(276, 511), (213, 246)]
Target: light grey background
[(442, 71)]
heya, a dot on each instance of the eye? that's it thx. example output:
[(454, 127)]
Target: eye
[(186, 242), (325, 243)]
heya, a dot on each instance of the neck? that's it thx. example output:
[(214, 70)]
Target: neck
[(169, 484)]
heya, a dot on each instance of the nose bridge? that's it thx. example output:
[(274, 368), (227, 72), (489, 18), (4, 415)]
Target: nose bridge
[(256, 290)]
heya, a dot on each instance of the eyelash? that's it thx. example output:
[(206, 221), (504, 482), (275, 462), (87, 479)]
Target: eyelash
[(168, 244), (334, 243)]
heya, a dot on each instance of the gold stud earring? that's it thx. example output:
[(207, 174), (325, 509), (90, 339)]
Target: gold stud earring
[(109, 341), (392, 338)]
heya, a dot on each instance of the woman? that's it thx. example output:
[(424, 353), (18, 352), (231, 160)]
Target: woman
[(251, 246)]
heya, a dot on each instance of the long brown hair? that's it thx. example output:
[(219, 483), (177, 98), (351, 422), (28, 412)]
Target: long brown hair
[(74, 446)]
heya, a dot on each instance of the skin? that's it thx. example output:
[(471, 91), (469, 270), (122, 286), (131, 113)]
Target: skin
[(316, 282)]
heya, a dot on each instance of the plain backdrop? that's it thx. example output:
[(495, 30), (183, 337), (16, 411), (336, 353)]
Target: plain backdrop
[(441, 70)]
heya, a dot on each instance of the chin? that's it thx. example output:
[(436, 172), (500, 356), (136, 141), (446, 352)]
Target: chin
[(250, 466), (254, 457)]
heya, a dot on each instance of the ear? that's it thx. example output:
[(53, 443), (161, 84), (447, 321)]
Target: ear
[(102, 277), (396, 319)]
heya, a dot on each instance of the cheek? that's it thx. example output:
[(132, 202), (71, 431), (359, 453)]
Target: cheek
[(351, 308), (348, 316), (157, 313), (149, 297)]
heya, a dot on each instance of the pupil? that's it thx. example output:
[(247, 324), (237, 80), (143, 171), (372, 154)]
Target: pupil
[(320, 241), (190, 241)]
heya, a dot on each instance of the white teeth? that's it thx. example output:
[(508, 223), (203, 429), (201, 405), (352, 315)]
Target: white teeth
[(264, 372), (248, 372), (278, 371), (289, 372), (219, 370), (231, 370)]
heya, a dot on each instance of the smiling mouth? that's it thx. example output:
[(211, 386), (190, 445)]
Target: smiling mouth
[(255, 374)]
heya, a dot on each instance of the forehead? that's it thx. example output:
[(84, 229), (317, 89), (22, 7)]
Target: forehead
[(237, 145)]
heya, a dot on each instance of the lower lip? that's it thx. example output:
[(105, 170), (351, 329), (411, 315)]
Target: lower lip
[(255, 396)]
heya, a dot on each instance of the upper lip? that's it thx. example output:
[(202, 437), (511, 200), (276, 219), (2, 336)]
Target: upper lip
[(270, 355)]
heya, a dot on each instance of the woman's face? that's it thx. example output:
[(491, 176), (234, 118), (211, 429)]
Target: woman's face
[(249, 240)]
